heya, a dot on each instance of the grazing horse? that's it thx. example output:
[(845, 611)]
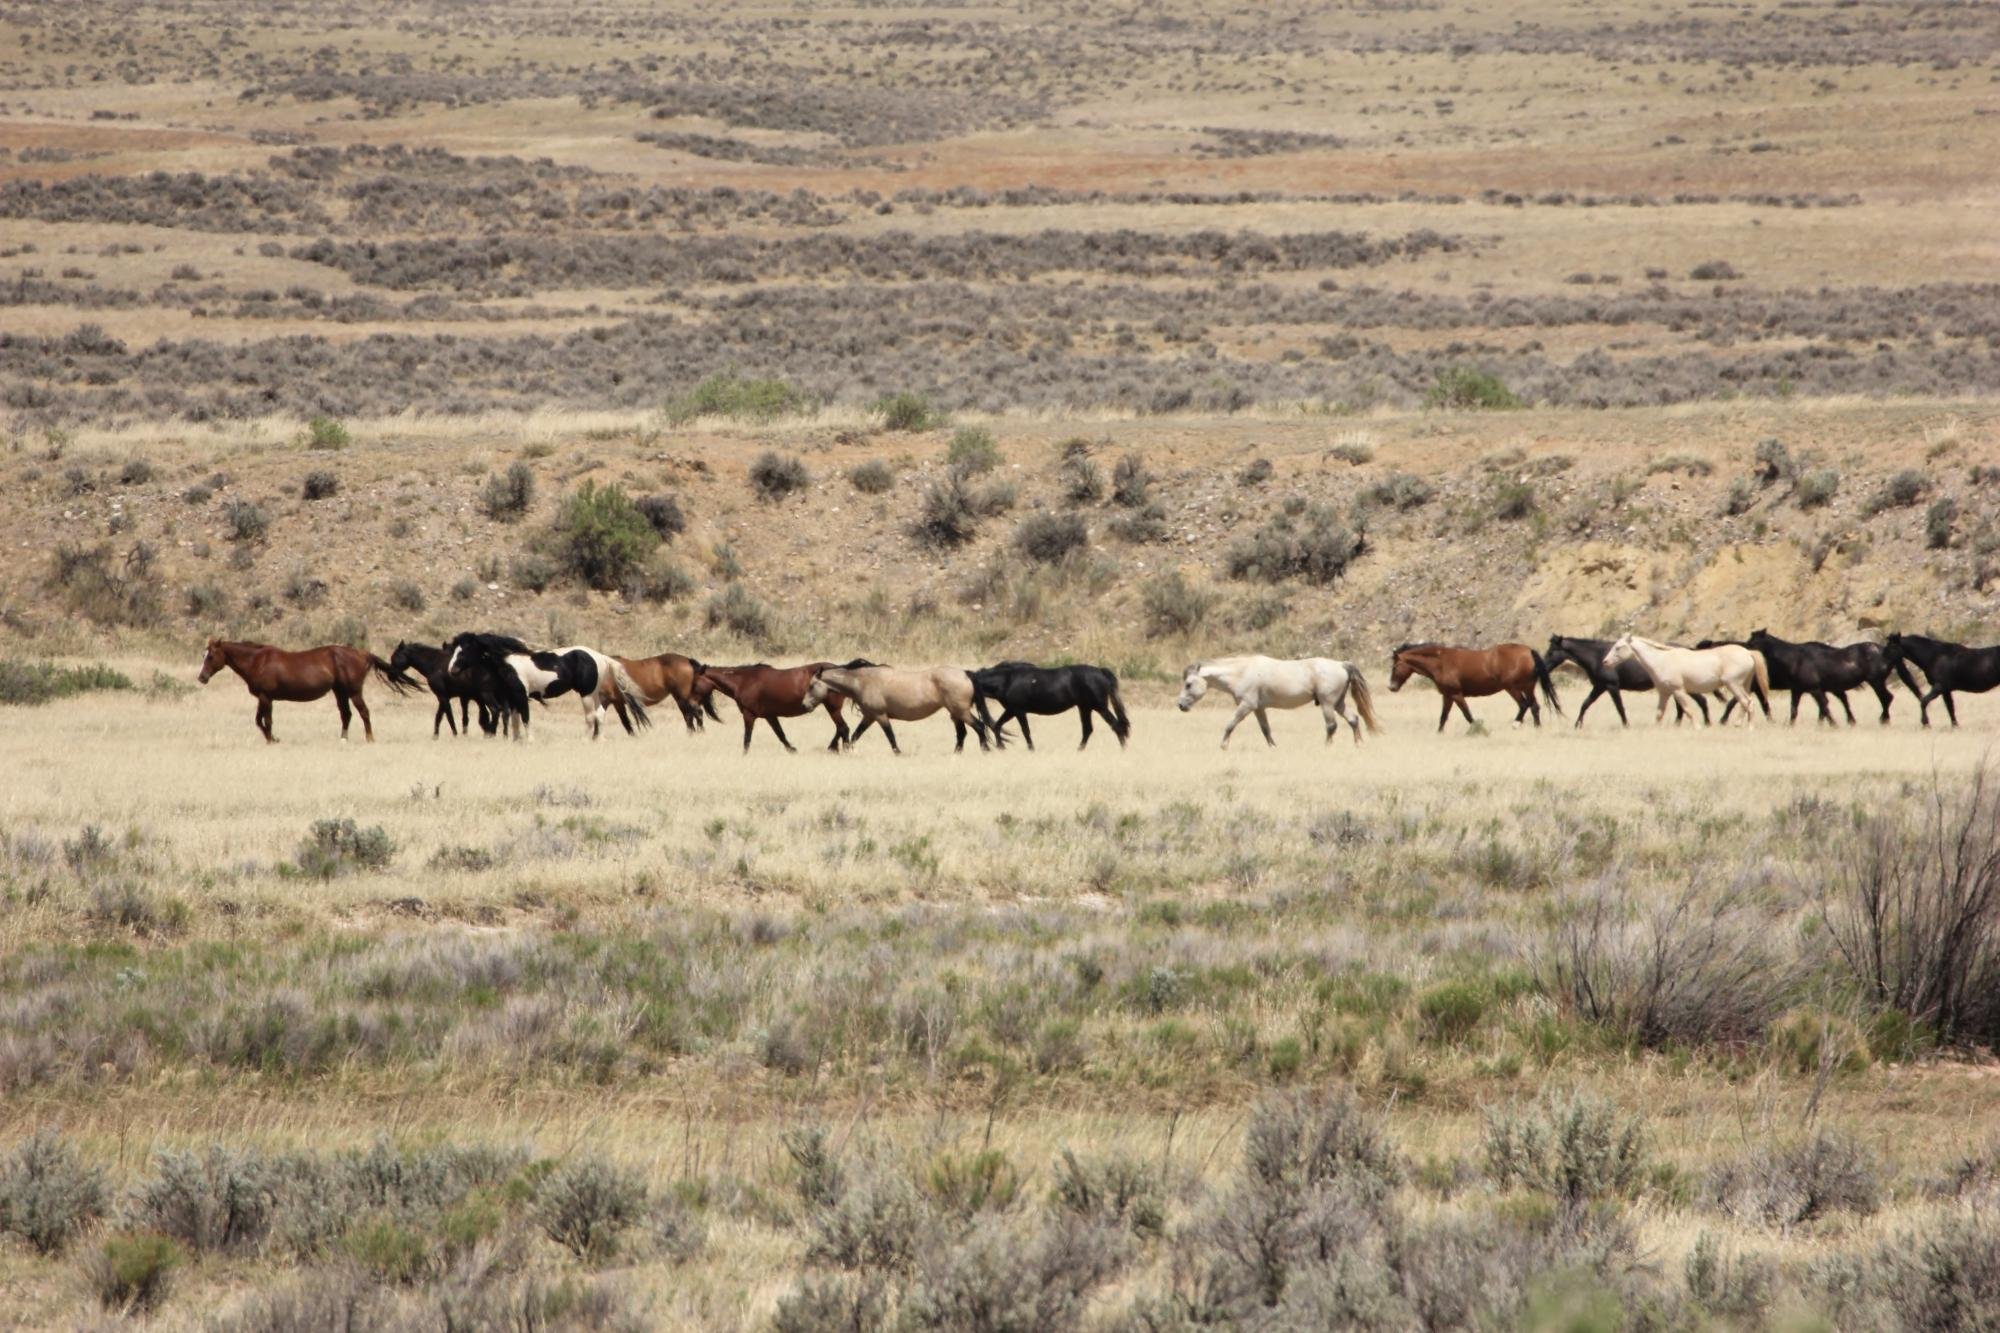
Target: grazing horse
[(1587, 656), (1820, 669), (670, 675), (1023, 688), (1728, 669), (274, 673), (901, 694), (1259, 683), (590, 675), (1469, 673), (1947, 666), (768, 692), (468, 688)]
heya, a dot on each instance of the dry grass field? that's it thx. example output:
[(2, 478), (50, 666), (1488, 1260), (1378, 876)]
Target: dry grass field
[(954, 334)]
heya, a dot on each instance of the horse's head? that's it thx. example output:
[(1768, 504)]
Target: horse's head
[(1760, 639), (1620, 652), (400, 660), (1560, 652), (1400, 669), (1193, 686), (821, 687), (212, 661), (1892, 648)]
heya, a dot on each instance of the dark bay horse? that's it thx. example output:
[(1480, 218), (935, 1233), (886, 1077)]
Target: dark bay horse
[(1468, 673), (1022, 688), (1820, 669), (274, 674), (1947, 666), (767, 692), (671, 675), (1587, 656), (467, 688)]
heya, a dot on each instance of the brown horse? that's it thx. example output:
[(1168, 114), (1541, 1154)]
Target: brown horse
[(670, 675), (769, 692), (1462, 673), (275, 673)]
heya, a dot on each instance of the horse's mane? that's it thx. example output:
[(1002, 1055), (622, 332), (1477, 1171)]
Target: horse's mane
[(857, 664), (493, 643), (1417, 647)]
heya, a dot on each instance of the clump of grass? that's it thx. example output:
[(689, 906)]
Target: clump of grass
[(1576, 1149), (600, 537), (1051, 538), (30, 683), (1081, 480), (1131, 482), (907, 412), (341, 847), (735, 609), (319, 485), (133, 1273), (586, 1206), (1398, 490), (1255, 473), (1463, 388), (325, 432), (1901, 491), (949, 515), (96, 585), (1739, 498), (737, 398), (533, 571), (136, 472), (507, 496), (1939, 520), (773, 475), (1174, 606), (406, 595), (875, 477), (658, 580), (245, 520), (1714, 270), (664, 513), (972, 450), (1773, 462), (1316, 547), (1817, 487), (1145, 524)]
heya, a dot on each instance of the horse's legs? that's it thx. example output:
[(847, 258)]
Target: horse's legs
[(1242, 711), (1588, 700), (1949, 707), (979, 728), (958, 725), (1882, 695), (1444, 714), (1464, 712), (1701, 702), (1845, 707), (367, 723), (842, 737), (1028, 737), (855, 735), (1666, 693), (624, 714), (1264, 725), (1083, 711), (264, 719), (888, 731), (346, 713), (772, 723), (749, 725)]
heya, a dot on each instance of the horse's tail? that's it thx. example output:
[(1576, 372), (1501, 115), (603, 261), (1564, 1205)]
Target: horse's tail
[(635, 698), (1364, 702), (395, 680), (1763, 674), (1548, 682), (1121, 725)]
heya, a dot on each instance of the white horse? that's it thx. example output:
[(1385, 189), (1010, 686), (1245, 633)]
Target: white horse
[(1729, 670), (1258, 683)]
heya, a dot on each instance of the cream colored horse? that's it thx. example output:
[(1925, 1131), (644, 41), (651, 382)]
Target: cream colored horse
[(1258, 683), (1728, 670), (900, 694)]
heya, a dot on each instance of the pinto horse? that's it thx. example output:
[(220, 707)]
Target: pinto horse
[(1260, 683), (768, 692), (1728, 669), (300, 677), (1469, 673), (467, 688), (1947, 666), (590, 675), (1023, 688), (901, 694), (1587, 656), (670, 675)]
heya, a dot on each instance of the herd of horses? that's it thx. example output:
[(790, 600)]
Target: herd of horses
[(502, 677)]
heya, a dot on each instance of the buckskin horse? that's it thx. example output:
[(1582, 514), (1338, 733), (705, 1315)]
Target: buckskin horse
[(1470, 673), (1022, 688), (1728, 669), (300, 677), (901, 694), (1587, 656), (767, 692), (1947, 666), (1258, 683)]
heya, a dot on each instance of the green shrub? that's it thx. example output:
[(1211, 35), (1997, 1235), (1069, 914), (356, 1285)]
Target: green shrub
[(1131, 483), (405, 595), (737, 398), (507, 496), (1938, 521), (1398, 490), (136, 472), (1082, 481), (48, 1193), (1513, 500), (245, 520), (133, 1273), (736, 610), (907, 412), (1318, 548), (1773, 462), (601, 537), (972, 451), (325, 433), (1577, 1149), (658, 580), (1174, 606), (664, 513), (339, 847), (1898, 492), (532, 571), (40, 682), (948, 516), (1451, 1010), (1145, 524), (387, 1250), (1051, 538), (585, 1206), (875, 477), (1120, 1191), (773, 475), (1740, 497), (1817, 487), (1464, 388), (319, 485), (1255, 473)]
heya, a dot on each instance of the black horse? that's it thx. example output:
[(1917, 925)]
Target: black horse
[(478, 685), (1022, 688), (1947, 666), (1820, 669), (1628, 677)]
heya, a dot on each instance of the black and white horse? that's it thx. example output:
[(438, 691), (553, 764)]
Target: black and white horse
[(479, 683), (594, 677)]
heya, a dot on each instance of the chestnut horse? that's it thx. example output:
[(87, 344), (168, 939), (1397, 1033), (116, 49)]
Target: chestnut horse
[(1463, 673), (768, 692), (670, 675), (274, 673)]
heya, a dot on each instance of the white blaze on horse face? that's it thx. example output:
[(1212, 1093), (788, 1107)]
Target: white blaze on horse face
[(451, 663)]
